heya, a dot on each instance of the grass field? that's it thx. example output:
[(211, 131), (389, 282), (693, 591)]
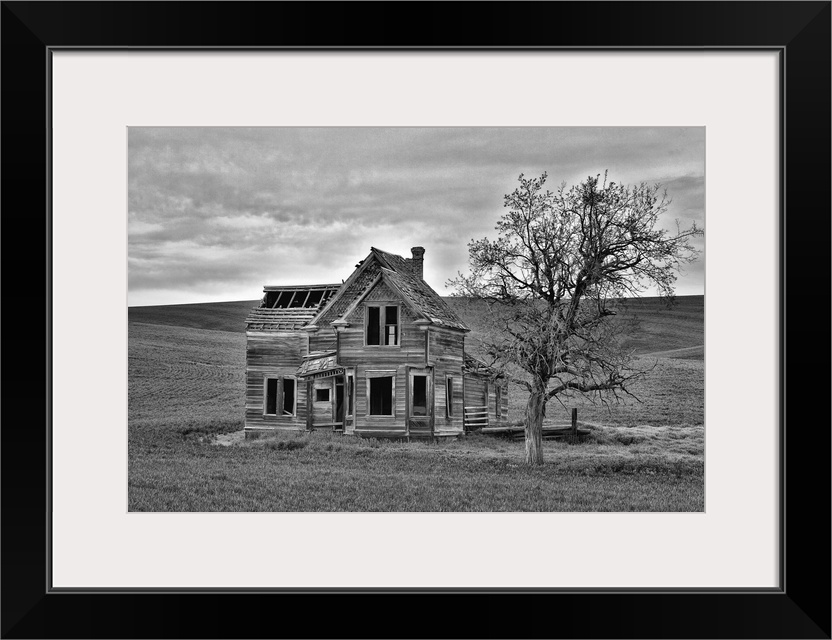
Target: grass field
[(186, 394)]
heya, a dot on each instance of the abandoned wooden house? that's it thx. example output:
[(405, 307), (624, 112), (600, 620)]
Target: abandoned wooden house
[(381, 355)]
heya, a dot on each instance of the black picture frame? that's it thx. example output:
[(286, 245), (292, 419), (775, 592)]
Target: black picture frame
[(799, 31)]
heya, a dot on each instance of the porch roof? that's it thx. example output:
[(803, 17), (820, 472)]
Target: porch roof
[(320, 365)]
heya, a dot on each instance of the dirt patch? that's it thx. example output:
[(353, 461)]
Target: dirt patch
[(228, 439)]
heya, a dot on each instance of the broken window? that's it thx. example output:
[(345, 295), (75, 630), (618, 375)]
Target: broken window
[(372, 325), (271, 396), (420, 395), (321, 395), (288, 397), (381, 396), (280, 394), (449, 397), (383, 325), (391, 325), (350, 386)]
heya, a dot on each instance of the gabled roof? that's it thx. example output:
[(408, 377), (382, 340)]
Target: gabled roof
[(397, 272), (424, 299)]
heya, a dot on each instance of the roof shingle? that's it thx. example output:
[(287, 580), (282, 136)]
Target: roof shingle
[(425, 299)]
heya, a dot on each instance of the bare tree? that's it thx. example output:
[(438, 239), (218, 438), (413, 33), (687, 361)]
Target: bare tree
[(554, 279)]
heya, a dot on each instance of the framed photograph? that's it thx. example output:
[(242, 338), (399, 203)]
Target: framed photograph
[(171, 153)]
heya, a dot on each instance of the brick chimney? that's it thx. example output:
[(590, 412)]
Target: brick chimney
[(418, 261)]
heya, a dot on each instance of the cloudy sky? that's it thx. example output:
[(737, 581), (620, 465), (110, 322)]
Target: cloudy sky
[(216, 213)]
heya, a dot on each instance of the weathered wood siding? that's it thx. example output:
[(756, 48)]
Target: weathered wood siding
[(475, 392), (273, 354), (445, 352), (322, 340)]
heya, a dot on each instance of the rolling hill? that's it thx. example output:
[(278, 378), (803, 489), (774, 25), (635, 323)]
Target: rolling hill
[(215, 316), (677, 332)]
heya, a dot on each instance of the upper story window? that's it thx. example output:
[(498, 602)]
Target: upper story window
[(383, 325)]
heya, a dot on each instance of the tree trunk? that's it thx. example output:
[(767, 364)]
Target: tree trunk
[(535, 409)]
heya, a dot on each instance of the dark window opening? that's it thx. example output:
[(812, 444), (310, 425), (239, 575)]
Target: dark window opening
[(350, 383), (420, 395), (271, 396), (372, 325), (499, 400), (339, 403), (321, 395), (288, 397), (381, 396), (449, 396)]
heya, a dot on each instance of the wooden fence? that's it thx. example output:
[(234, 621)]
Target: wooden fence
[(476, 418), (575, 429)]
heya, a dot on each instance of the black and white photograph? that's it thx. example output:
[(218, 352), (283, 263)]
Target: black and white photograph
[(333, 309), (405, 319)]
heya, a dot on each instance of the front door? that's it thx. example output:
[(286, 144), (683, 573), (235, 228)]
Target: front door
[(420, 402), (323, 405)]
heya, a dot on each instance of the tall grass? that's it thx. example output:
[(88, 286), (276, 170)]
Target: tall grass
[(330, 472)]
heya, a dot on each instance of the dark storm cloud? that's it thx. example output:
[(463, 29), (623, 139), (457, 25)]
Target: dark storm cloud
[(214, 213)]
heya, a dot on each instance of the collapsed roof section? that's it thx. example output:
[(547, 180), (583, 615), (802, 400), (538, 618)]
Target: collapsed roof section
[(290, 308), (305, 296)]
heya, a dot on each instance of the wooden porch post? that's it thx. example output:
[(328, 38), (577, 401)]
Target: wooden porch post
[(309, 404)]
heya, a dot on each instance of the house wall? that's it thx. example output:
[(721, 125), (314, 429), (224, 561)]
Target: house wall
[(480, 391), (370, 361), (373, 360), (273, 354), (475, 391), (445, 352)]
